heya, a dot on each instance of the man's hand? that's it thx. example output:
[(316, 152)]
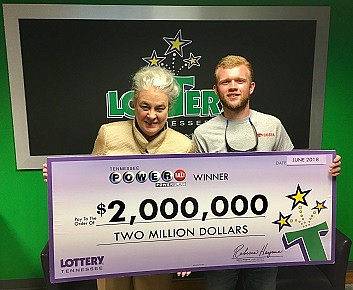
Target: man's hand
[(335, 167)]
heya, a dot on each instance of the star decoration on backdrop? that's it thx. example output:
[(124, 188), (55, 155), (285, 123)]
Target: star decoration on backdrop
[(282, 221), (299, 197), (176, 44), (192, 60), (154, 59), (320, 206)]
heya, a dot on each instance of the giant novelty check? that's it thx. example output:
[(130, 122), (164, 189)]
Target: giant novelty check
[(144, 214)]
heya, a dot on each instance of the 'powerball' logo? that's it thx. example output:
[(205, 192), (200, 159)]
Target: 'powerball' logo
[(155, 176)]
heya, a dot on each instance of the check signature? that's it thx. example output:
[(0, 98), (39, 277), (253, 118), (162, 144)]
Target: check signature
[(242, 252)]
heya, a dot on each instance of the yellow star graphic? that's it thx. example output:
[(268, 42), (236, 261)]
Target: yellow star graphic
[(299, 197), (192, 60), (320, 206), (154, 61), (176, 44), (282, 221)]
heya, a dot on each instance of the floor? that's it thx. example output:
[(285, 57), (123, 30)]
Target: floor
[(349, 280)]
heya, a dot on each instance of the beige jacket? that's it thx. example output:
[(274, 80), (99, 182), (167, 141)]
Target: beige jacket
[(124, 138)]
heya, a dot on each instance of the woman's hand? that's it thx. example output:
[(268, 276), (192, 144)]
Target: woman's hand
[(183, 274), (45, 172)]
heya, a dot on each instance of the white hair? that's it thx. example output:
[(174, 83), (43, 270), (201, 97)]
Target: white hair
[(155, 77)]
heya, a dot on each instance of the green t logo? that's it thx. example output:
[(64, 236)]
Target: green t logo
[(309, 242)]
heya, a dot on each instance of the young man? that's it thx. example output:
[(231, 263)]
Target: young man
[(238, 129)]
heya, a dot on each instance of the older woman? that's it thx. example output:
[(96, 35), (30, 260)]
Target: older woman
[(154, 93)]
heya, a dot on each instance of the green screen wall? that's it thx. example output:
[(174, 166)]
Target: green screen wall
[(23, 197)]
